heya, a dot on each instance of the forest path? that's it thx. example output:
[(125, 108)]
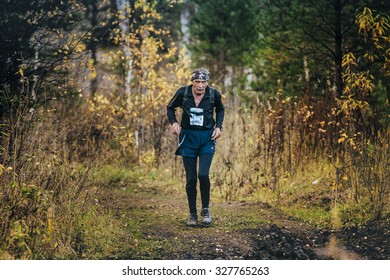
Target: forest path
[(156, 215)]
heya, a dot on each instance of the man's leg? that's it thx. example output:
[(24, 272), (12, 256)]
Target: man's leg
[(204, 178), (191, 178)]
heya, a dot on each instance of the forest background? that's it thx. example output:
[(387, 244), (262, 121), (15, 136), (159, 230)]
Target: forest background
[(84, 86)]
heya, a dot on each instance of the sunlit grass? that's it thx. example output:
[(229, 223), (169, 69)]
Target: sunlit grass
[(314, 216)]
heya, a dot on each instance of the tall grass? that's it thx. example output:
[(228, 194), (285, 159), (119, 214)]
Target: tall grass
[(294, 154), (49, 203)]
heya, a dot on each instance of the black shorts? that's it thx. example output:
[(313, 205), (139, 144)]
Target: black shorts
[(195, 142)]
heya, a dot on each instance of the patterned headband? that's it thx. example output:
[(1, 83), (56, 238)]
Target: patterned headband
[(200, 74)]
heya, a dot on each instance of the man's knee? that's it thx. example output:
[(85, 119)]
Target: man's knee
[(204, 177), (191, 183)]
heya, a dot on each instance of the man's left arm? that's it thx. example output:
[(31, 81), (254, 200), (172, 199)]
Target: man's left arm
[(220, 114)]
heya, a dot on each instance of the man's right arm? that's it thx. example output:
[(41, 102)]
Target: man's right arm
[(175, 128), (175, 102)]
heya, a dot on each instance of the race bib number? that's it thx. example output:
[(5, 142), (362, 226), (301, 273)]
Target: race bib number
[(196, 116)]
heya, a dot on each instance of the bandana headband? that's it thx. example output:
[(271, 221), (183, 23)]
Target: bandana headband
[(200, 74)]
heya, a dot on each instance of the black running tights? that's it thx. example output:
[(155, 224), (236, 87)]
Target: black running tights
[(190, 165)]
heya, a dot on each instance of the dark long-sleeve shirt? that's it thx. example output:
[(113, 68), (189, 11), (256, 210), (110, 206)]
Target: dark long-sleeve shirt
[(209, 121)]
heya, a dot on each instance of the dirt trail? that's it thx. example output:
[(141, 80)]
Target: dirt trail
[(241, 230)]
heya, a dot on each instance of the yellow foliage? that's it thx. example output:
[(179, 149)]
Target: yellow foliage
[(7, 170), (341, 140), (137, 104)]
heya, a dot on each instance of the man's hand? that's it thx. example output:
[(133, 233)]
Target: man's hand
[(216, 133), (175, 128)]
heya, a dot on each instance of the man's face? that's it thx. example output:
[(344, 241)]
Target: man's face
[(199, 86)]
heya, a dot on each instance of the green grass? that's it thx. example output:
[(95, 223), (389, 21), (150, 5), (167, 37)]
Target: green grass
[(314, 216), (306, 195), (115, 176), (105, 237)]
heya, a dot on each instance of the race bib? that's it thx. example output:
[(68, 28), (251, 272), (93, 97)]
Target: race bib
[(196, 116)]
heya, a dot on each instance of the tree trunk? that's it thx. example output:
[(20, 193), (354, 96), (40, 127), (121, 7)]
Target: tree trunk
[(2, 133), (124, 25), (93, 48), (184, 22), (222, 70), (338, 48), (123, 6)]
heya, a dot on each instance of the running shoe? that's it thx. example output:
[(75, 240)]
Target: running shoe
[(192, 220), (206, 216)]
